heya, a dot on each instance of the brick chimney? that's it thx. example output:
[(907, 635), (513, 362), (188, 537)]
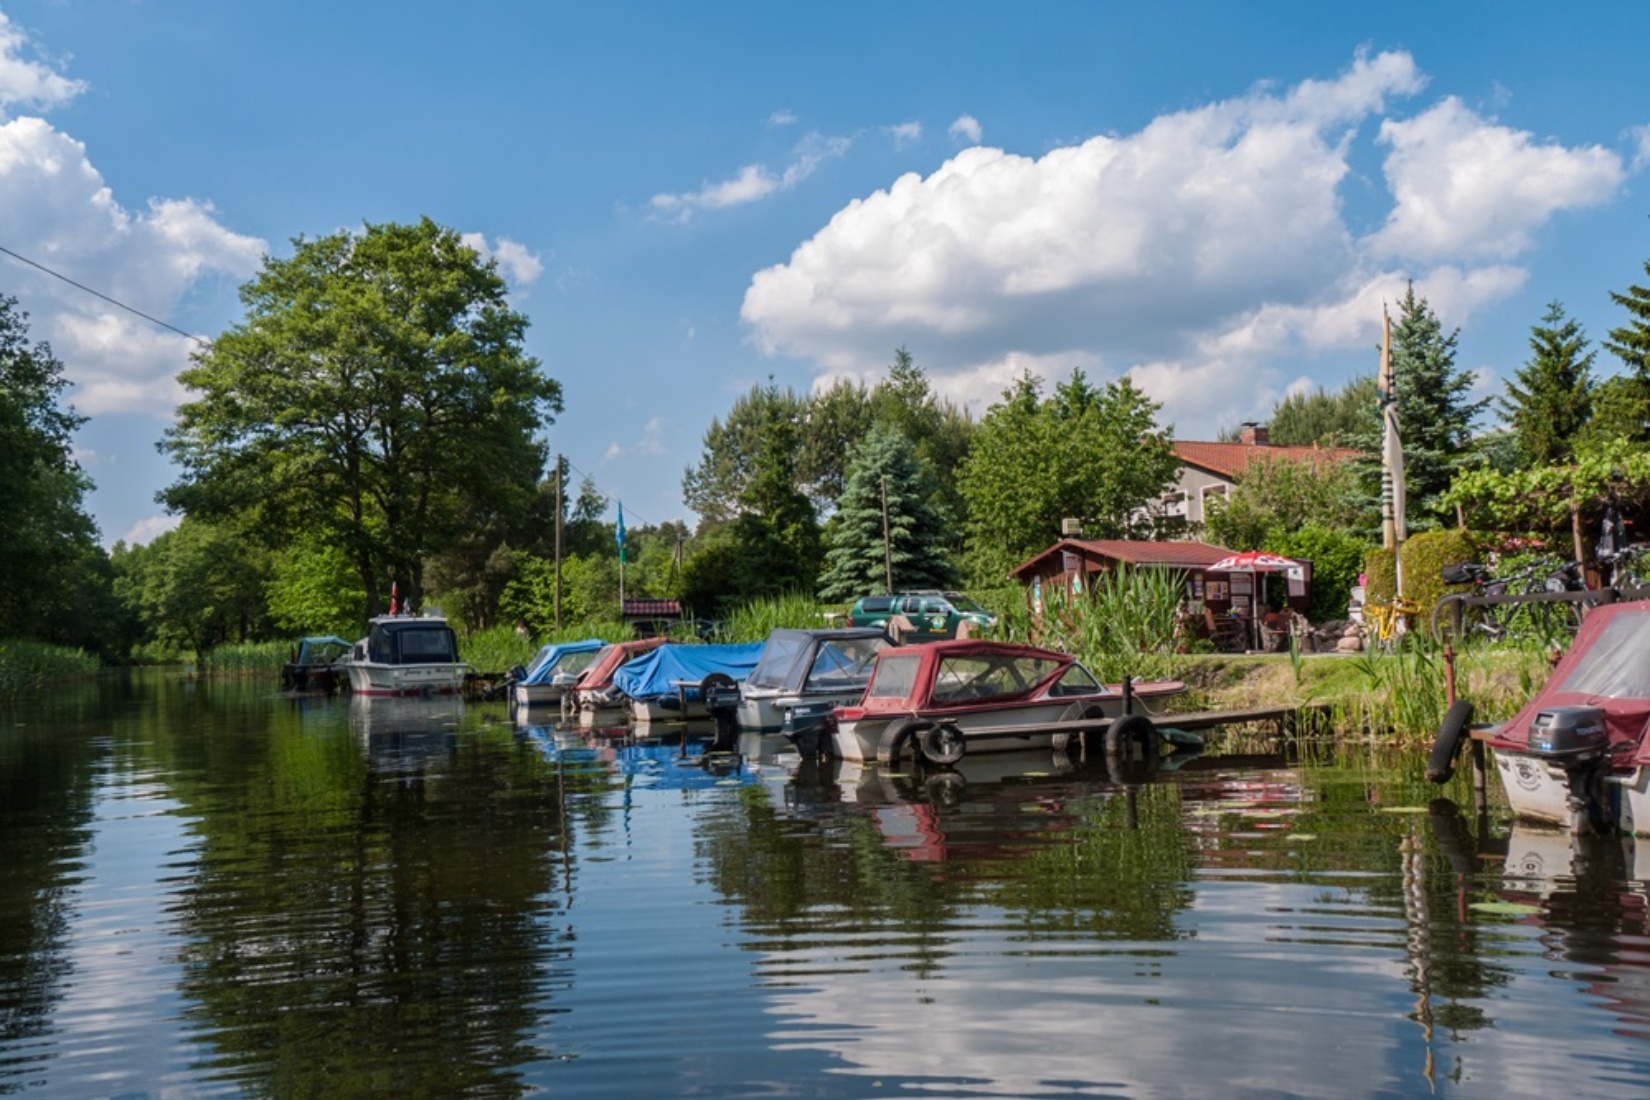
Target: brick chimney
[(1252, 435)]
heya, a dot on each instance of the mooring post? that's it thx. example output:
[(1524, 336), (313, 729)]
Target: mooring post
[(1128, 694)]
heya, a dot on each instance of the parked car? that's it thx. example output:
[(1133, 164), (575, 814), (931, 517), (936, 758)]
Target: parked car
[(922, 616)]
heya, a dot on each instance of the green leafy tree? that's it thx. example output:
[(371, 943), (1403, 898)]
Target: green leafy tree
[(858, 560), (1434, 413), (55, 572), (732, 449), (1281, 494), (196, 587), (1323, 418), (1550, 399), (313, 588), (777, 528), (1094, 454), (1630, 399), (377, 392)]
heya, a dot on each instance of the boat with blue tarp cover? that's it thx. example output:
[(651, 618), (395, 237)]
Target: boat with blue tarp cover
[(554, 671), (664, 685)]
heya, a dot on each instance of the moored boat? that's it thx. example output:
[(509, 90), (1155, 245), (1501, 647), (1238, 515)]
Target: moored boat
[(406, 655), (593, 692), (943, 699), (665, 684), (317, 664), (1578, 753), (802, 675), (554, 671)]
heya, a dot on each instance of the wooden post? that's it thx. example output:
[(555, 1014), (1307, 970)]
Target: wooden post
[(887, 546), (558, 542)]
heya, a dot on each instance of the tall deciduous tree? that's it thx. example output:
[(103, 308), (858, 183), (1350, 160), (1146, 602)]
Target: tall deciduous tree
[(55, 572), (1550, 399), (377, 391), (1093, 454), (1324, 418), (886, 479)]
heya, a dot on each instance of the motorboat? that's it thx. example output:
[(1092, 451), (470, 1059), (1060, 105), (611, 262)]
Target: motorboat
[(667, 683), (554, 670), (593, 692), (942, 699), (406, 655), (1578, 754), (317, 664), (802, 675)]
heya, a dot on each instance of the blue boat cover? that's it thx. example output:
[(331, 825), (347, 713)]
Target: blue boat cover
[(543, 669), (657, 673)]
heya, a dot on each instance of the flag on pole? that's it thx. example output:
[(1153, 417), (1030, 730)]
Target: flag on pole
[(618, 534), (1392, 453)]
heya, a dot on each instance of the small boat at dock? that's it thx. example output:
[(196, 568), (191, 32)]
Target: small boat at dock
[(593, 693), (802, 675), (945, 698), (317, 664), (554, 671), (666, 684), (406, 655)]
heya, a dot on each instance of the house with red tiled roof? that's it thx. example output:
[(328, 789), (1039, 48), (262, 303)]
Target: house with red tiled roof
[(1209, 470)]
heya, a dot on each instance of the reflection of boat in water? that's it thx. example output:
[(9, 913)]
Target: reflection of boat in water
[(684, 761), (406, 734), (1578, 754)]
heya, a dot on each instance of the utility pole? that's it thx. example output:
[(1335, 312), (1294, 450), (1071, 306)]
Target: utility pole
[(558, 542), (887, 545)]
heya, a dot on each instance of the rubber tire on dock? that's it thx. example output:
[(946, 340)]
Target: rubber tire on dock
[(896, 736), (1452, 734), (1133, 749), (942, 744)]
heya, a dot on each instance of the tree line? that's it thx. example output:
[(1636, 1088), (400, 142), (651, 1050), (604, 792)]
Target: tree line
[(373, 423)]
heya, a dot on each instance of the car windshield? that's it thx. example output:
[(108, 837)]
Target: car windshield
[(967, 605)]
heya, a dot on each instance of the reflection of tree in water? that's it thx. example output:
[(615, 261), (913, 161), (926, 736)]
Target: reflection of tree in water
[(46, 794), (1058, 858), (353, 932)]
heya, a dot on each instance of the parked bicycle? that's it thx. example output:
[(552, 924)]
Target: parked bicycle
[(1389, 622), (1457, 621)]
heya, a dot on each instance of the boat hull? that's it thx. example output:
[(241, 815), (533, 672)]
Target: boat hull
[(768, 712), (860, 739), (371, 678), (1538, 790)]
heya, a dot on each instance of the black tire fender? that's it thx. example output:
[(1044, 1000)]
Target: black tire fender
[(896, 736), (1134, 750), (943, 744), (1452, 734)]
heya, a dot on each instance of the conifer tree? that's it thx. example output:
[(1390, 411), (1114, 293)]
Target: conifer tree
[(857, 562), (1630, 404), (1551, 398)]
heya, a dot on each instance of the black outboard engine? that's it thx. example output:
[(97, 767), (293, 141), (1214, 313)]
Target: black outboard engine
[(809, 727), (721, 699), (1575, 738)]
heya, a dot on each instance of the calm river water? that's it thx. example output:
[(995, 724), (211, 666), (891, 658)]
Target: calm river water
[(208, 889)]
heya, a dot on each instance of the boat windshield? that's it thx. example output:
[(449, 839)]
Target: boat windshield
[(432, 644), (971, 678), (778, 656), (894, 678), (843, 663), (1615, 664), (1077, 681)]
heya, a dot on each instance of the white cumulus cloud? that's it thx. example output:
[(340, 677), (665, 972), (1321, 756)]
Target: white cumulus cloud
[(520, 265), (753, 182), (25, 81), (1211, 244)]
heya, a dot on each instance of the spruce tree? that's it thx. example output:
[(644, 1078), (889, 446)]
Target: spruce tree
[(856, 563), (1631, 344), (1551, 398)]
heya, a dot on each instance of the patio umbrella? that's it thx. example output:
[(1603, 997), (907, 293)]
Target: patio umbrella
[(1253, 562)]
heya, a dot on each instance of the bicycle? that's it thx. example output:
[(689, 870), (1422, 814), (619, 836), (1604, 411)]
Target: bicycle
[(1455, 620), (1389, 620)]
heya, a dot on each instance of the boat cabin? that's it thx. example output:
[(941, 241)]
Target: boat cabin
[(395, 640)]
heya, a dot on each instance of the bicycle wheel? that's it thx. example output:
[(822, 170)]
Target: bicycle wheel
[(1454, 621)]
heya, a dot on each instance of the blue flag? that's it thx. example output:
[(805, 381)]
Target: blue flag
[(618, 534)]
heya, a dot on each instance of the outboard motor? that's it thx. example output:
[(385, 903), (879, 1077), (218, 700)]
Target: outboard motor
[(721, 699), (809, 727), (1575, 738)]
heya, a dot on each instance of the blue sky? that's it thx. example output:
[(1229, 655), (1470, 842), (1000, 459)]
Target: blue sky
[(689, 198)]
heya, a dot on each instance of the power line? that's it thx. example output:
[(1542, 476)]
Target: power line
[(201, 340), (607, 496)]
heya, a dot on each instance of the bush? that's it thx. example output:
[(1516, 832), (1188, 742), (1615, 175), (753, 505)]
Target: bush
[(1337, 559)]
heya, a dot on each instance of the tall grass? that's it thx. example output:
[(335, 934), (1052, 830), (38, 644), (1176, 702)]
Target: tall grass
[(29, 666), (248, 658), (754, 621), (1123, 625)]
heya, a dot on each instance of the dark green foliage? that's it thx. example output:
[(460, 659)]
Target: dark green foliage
[(917, 533), (56, 577), (377, 393), (1550, 399), (1282, 495), (1323, 418), (1337, 558), (1425, 556), (1434, 414), (1092, 454)]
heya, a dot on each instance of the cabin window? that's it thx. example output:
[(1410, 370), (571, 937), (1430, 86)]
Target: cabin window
[(778, 656), (895, 676), (964, 678), (843, 663), (426, 645), (1615, 666), (1077, 681)]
